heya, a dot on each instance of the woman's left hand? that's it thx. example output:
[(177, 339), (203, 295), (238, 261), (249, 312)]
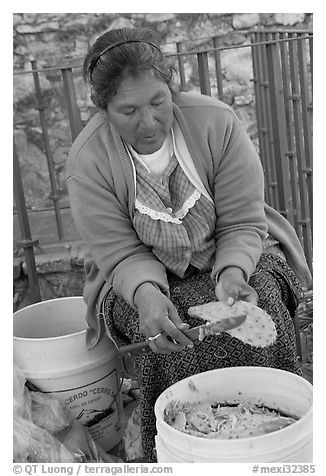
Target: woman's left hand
[(231, 284)]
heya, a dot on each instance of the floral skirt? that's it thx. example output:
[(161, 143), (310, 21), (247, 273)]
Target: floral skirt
[(278, 290)]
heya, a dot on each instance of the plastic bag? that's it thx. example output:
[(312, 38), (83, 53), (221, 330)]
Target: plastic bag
[(132, 437), (21, 397), (32, 443), (35, 445), (44, 431), (48, 413)]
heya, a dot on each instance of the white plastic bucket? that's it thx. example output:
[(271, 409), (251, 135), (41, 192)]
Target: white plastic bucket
[(50, 347), (274, 388)]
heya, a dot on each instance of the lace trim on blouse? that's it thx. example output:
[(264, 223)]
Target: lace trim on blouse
[(166, 217), (189, 203)]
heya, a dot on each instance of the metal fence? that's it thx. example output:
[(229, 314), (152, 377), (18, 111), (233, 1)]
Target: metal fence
[(282, 66), (282, 63)]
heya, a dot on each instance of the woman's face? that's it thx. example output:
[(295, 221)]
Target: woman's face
[(142, 112)]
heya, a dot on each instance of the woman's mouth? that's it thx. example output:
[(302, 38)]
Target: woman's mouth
[(150, 138)]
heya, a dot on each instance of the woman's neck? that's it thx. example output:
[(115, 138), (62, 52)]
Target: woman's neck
[(156, 162)]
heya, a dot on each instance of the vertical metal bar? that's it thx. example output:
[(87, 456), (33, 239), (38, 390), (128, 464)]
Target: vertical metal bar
[(268, 123), (293, 169), (218, 69), (71, 101), (278, 127), (298, 129), (259, 114), (203, 72), (182, 75), (311, 52), (307, 129), (54, 196), (27, 243)]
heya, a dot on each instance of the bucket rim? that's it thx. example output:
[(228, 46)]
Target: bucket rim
[(245, 368), (46, 301)]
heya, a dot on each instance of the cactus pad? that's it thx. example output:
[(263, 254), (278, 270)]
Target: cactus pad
[(258, 330)]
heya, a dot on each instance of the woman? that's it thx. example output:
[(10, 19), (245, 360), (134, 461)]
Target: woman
[(167, 193)]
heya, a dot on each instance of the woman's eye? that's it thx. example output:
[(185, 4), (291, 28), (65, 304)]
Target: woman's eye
[(129, 112), (158, 102)]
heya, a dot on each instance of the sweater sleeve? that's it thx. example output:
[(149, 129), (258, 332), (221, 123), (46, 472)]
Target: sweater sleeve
[(105, 227), (239, 200)]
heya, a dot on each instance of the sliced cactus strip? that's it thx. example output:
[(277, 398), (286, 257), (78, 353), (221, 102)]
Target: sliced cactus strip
[(258, 330)]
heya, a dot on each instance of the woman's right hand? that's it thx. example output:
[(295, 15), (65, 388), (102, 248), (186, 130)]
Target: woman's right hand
[(157, 314)]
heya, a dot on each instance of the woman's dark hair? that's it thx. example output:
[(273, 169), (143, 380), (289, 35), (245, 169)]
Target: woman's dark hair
[(136, 51)]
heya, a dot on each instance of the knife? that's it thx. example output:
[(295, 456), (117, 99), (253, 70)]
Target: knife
[(193, 333)]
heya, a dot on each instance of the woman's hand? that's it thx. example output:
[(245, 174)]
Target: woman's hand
[(158, 315), (231, 284)]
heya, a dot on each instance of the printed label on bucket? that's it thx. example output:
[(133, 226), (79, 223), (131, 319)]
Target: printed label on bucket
[(97, 406)]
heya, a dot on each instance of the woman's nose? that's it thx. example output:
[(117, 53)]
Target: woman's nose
[(147, 118)]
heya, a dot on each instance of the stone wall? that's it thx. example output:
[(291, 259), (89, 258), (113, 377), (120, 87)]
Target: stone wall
[(57, 39), (44, 36)]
